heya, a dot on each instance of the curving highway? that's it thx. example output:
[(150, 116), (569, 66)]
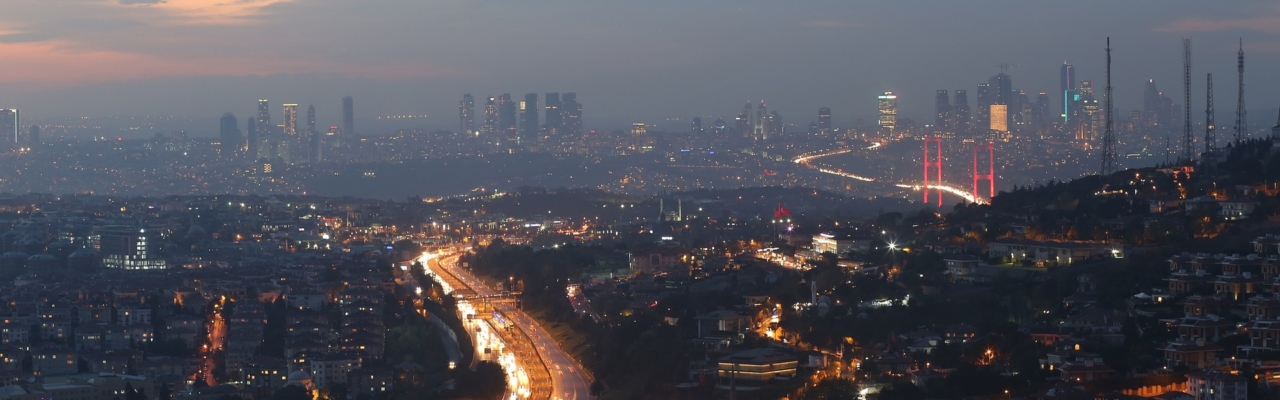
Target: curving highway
[(806, 158), (569, 380)]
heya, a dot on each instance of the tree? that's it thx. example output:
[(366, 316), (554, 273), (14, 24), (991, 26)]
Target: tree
[(596, 388), (902, 391), (291, 392), (833, 389), (488, 381)]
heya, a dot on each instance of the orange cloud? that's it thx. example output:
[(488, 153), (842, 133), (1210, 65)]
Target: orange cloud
[(208, 11), (1266, 24)]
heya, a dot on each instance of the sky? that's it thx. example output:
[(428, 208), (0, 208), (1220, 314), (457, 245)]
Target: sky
[(650, 61)]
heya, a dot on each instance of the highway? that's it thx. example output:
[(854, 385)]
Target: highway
[(569, 380)]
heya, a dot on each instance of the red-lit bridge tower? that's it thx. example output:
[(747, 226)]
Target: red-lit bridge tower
[(989, 175), (937, 163)]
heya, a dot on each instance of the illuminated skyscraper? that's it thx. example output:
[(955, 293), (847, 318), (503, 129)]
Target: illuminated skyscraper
[(490, 125), (824, 121), (554, 117), (888, 110), (10, 125), (718, 127), (1067, 81), (695, 127), (528, 117), (638, 129), (290, 120), (467, 115), (507, 115), (572, 111), (229, 135), (999, 118), (348, 115), (1089, 123)]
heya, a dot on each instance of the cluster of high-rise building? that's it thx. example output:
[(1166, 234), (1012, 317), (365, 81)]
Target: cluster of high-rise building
[(758, 123), (287, 141), (515, 124)]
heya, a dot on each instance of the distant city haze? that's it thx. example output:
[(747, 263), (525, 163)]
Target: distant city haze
[(661, 62)]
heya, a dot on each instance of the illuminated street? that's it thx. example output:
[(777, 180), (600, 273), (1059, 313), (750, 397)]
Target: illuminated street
[(568, 380)]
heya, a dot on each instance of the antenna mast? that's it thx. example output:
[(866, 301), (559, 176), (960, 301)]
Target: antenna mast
[(1210, 137), (1242, 125), (1109, 138), (1188, 153)]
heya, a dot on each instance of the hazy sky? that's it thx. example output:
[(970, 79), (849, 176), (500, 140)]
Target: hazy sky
[(628, 61)]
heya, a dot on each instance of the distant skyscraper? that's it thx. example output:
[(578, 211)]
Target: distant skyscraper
[(1067, 81), (824, 121), (507, 115), (490, 125), (572, 111), (10, 126), (638, 129), (529, 117), (942, 112), (960, 109), (1001, 87), (264, 114), (229, 135), (348, 115), (887, 105), (554, 116), (291, 120), (757, 127), (467, 115), (315, 151), (999, 118), (742, 123), (311, 118), (718, 127), (263, 127), (696, 126), (1091, 118), (985, 99), (1043, 112), (253, 138), (774, 125), (33, 135)]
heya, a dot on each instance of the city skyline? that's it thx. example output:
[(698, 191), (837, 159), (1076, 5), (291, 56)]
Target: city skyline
[(48, 81)]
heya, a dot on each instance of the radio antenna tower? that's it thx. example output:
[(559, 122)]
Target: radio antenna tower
[(1188, 153), (1242, 125), (1109, 137), (1210, 137)]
